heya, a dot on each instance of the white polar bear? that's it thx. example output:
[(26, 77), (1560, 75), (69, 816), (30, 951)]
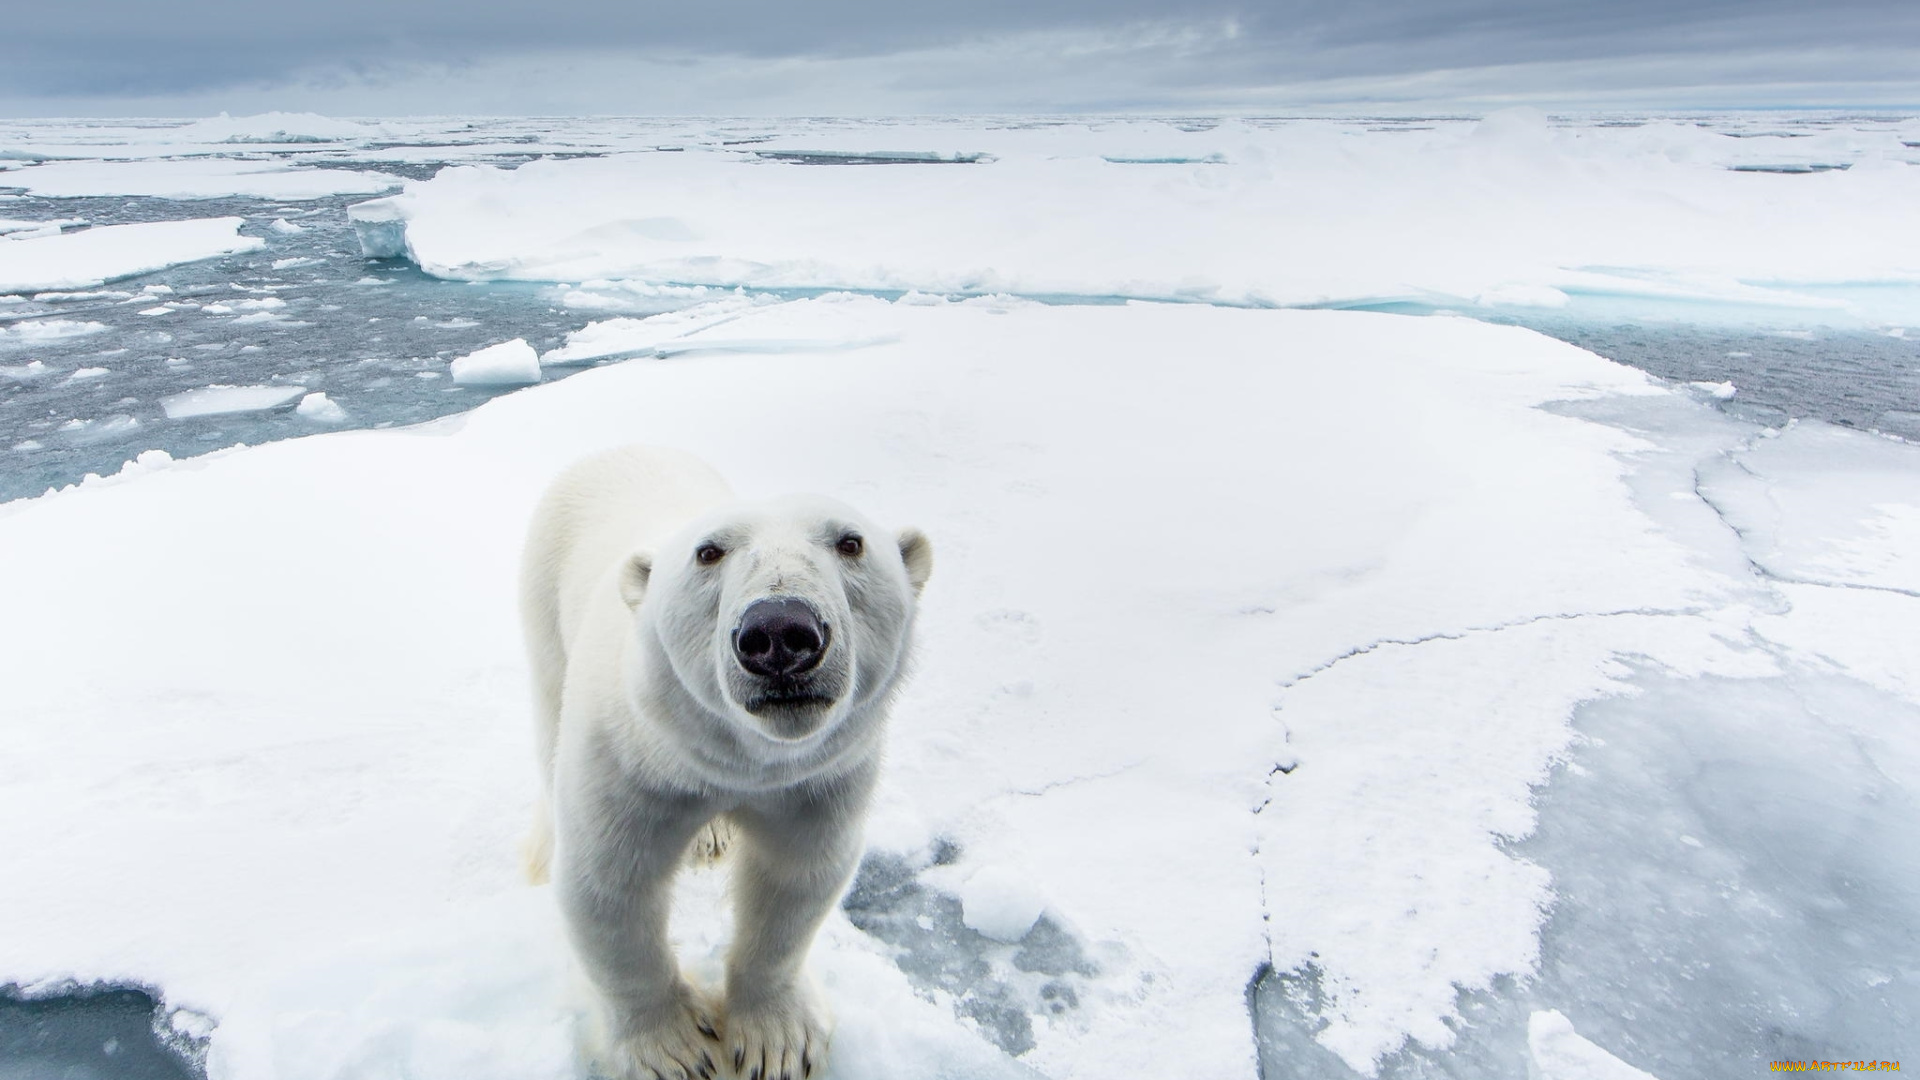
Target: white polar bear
[(701, 663)]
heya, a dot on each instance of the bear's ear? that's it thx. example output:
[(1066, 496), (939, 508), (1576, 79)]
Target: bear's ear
[(917, 552), (634, 577)]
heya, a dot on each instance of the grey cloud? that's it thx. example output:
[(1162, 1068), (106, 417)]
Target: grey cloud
[(125, 49)]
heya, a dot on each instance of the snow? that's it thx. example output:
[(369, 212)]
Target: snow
[(197, 178), (1512, 212), (80, 260), (1360, 572), (998, 901), (510, 363), (215, 400)]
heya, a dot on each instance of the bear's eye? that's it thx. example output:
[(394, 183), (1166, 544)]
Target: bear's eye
[(708, 554), (850, 545)]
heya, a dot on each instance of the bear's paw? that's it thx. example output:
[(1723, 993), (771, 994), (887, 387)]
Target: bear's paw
[(783, 1039), (682, 1043)]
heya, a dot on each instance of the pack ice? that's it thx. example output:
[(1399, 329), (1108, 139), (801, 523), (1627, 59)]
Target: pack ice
[(1256, 635), (1514, 211)]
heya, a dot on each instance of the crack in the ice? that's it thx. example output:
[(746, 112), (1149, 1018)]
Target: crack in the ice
[(1761, 570), (1495, 628), (1073, 780)]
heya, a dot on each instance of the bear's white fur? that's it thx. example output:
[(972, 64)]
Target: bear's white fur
[(656, 741)]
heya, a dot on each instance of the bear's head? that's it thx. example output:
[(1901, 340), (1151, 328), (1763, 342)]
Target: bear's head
[(784, 615)]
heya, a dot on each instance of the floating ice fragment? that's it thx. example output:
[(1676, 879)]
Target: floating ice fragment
[(199, 178), (86, 432), (321, 409), (85, 373), (1559, 1053), (1719, 391), (14, 229), (26, 372), (288, 264), (80, 260), (47, 330), (381, 225), (216, 400), (510, 363), (285, 227)]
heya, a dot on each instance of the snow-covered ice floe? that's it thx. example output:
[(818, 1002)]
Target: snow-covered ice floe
[(1253, 634), (216, 400), (197, 178), (79, 260), (1512, 212)]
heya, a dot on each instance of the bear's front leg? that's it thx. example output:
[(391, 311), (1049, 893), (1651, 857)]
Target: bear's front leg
[(614, 880), (795, 856)]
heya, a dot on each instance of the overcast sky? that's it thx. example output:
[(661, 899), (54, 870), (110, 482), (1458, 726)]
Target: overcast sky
[(772, 57)]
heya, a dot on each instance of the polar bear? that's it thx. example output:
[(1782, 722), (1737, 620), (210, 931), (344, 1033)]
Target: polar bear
[(706, 668)]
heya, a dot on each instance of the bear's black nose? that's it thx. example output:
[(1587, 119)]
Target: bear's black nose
[(780, 638)]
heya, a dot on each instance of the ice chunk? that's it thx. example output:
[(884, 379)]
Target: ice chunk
[(27, 372), (510, 363), (198, 178), (214, 400), (86, 373), (12, 229), (1000, 903), (321, 409), (1559, 1053), (380, 225), (39, 331), (82, 260), (1718, 391), (85, 432), (285, 227)]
